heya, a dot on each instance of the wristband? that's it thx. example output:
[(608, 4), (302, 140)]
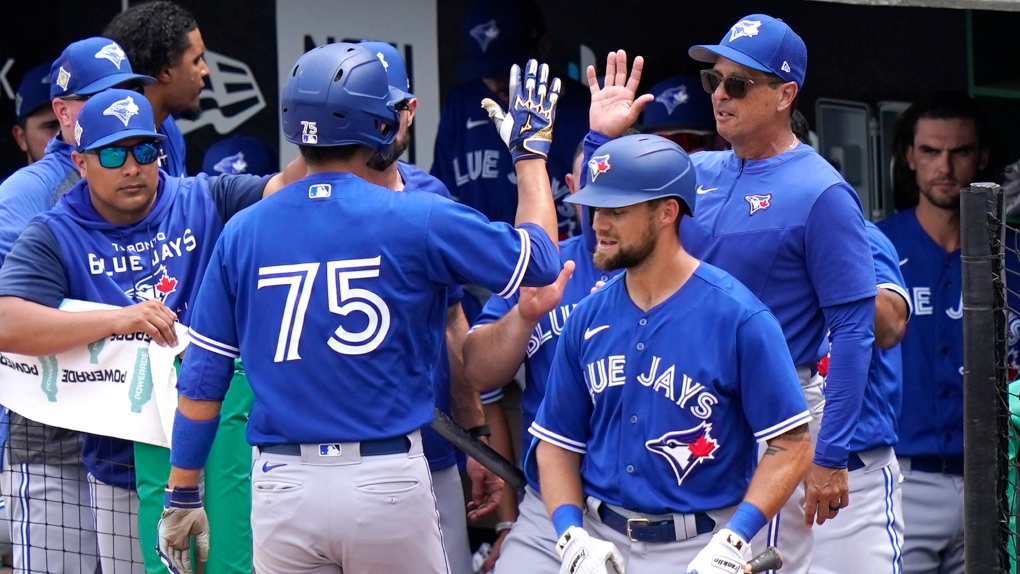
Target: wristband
[(747, 521), (182, 497), (192, 441), (565, 516), (503, 526), (480, 431)]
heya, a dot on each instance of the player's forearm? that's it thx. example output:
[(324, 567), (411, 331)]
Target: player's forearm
[(494, 352), (32, 329), (559, 472), (465, 404), (782, 468), (534, 197), (502, 442), (195, 426), (890, 319)]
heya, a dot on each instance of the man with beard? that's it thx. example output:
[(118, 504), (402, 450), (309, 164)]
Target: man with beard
[(162, 40), (950, 145), (662, 373)]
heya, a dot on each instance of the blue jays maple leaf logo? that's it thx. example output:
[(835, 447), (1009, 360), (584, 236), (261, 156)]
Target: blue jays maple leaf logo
[(232, 164), (598, 164), (759, 202), (744, 29), (485, 33), (124, 110), (113, 53), (685, 449), (673, 98)]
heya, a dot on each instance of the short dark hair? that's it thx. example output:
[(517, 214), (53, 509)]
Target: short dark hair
[(653, 204), (946, 105), (154, 35), (319, 155)]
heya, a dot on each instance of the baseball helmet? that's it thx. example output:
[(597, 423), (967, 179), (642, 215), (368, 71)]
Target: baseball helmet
[(338, 94), (637, 168)]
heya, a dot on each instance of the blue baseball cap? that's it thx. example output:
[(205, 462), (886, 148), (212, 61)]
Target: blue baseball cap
[(762, 43), (90, 66), (634, 169), (112, 116), (33, 92), (396, 71), (237, 155), (680, 104), (495, 37)]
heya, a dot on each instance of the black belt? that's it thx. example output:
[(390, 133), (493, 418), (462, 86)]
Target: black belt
[(854, 462), (943, 465), (641, 530), (398, 445)]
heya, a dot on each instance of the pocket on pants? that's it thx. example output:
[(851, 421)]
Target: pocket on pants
[(389, 487)]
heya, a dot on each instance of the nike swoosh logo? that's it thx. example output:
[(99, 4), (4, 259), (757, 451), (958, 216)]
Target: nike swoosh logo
[(703, 191), (589, 333), (476, 123), (904, 261), (266, 467)]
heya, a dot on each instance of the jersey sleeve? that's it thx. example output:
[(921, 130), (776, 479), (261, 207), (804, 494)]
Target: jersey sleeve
[(463, 248), (768, 377), (21, 199), (837, 249), (34, 269), (564, 417), (209, 363), (232, 193), (495, 309), (887, 266)]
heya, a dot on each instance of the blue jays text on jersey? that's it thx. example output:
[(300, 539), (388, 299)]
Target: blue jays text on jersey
[(342, 293), (475, 165), (58, 257), (673, 395)]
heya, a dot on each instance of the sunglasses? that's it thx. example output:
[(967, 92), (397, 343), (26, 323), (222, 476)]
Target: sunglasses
[(114, 156), (736, 87)]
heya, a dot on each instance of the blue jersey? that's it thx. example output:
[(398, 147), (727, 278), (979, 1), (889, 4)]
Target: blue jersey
[(172, 160), (339, 319), (542, 345), (474, 163), (34, 189), (883, 396), (72, 252), (666, 405)]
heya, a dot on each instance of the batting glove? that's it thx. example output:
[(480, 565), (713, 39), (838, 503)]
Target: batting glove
[(727, 553), (526, 127), (582, 554), (183, 518)]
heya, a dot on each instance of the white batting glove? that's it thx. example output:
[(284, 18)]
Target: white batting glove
[(183, 518), (526, 127), (727, 553), (582, 554)]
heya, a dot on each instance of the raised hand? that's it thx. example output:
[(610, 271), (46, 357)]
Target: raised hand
[(526, 126), (535, 302), (615, 106)]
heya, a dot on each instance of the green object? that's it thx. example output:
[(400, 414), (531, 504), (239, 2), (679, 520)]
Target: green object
[(140, 388), (49, 376), (227, 488), (1011, 486), (95, 348)]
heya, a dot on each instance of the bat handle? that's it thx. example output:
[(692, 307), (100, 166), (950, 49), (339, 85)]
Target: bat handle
[(770, 559)]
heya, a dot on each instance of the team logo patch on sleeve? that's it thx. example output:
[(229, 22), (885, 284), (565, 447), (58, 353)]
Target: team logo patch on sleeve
[(320, 191), (124, 110), (759, 202), (598, 164), (113, 53), (685, 449), (744, 29)]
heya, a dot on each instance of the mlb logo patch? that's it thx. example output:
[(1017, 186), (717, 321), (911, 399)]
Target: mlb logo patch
[(759, 202), (320, 191), (329, 449), (63, 77)]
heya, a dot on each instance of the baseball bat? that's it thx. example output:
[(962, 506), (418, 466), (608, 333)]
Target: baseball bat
[(478, 450), (770, 559)]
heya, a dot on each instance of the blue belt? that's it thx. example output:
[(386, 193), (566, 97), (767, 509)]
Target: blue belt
[(398, 445), (854, 462), (642, 530), (943, 465)]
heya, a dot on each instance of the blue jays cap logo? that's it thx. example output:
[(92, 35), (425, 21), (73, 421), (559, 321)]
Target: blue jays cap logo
[(744, 29), (485, 33), (598, 164), (673, 98), (124, 110), (759, 202), (685, 449), (320, 191), (113, 53), (232, 164)]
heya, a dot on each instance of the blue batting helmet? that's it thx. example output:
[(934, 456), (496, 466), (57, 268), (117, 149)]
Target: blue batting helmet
[(338, 94), (637, 168)]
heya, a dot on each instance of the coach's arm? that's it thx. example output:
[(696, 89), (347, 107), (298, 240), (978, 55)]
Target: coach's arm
[(890, 318)]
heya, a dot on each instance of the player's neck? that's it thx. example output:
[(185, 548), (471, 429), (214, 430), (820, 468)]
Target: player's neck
[(659, 276), (356, 165), (766, 144), (942, 225), (159, 111), (391, 175)]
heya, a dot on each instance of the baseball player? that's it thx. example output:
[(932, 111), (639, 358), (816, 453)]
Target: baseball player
[(163, 40), (44, 479), (342, 382), (874, 522), (662, 374), (35, 123), (949, 146), (777, 216), (80, 250)]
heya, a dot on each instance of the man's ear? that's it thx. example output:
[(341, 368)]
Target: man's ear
[(787, 93), (412, 107), (19, 137), (79, 160)]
